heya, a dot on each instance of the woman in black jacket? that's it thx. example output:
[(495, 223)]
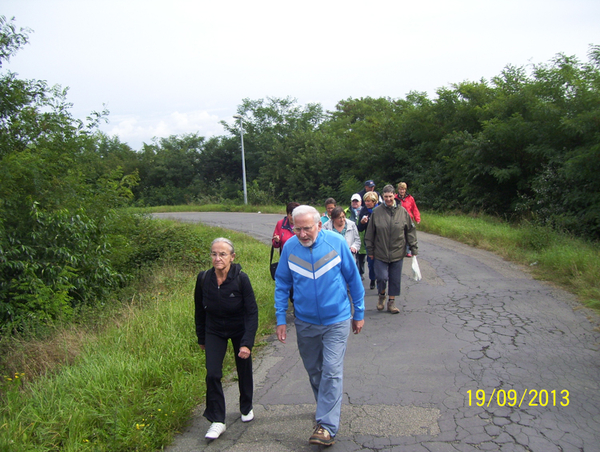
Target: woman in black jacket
[(225, 309)]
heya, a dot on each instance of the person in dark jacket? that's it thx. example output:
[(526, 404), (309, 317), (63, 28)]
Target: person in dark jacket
[(370, 202), (370, 187), (225, 309), (389, 229)]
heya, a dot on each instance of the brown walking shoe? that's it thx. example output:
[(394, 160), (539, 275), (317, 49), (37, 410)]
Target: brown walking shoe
[(321, 436), (381, 301), (391, 308)]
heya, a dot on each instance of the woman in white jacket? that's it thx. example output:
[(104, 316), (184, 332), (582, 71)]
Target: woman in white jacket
[(346, 228)]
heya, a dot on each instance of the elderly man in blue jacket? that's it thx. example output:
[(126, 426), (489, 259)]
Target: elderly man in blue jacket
[(320, 268)]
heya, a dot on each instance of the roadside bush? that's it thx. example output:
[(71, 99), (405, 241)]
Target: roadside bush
[(536, 238), (59, 260), (145, 242), (260, 196)]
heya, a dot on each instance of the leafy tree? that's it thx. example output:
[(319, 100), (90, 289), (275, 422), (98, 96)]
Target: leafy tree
[(169, 170), (56, 204), (268, 126)]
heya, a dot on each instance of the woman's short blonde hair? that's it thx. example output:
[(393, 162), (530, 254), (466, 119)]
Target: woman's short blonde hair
[(402, 185), (371, 196)]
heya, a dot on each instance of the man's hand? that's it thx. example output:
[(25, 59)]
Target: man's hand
[(357, 325), (281, 333)]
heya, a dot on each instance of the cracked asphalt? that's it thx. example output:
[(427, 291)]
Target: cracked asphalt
[(473, 323)]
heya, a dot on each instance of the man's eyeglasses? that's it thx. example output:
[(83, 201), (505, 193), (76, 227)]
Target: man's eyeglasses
[(221, 255), (306, 229)]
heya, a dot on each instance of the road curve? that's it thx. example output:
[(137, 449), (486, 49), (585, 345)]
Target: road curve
[(482, 357)]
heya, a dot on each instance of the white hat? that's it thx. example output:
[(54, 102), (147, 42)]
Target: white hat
[(355, 197)]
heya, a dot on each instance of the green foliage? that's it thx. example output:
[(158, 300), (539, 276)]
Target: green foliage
[(57, 202), (169, 170), (148, 242), (258, 195), (61, 261), (524, 145)]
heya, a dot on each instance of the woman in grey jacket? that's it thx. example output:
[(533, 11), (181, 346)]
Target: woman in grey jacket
[(340, 224), (389, 229)]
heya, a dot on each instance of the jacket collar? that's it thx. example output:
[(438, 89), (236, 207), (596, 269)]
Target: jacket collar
[(286, 224), (395, 206)]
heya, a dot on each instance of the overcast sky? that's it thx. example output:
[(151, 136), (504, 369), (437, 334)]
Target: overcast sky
[(176, 66)]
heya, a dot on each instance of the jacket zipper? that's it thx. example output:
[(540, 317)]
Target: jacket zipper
[(312, 263)]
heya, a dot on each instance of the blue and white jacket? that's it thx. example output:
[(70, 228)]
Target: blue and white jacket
[(320, 275)]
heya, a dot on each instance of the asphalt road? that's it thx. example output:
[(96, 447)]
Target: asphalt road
[(482, 357)]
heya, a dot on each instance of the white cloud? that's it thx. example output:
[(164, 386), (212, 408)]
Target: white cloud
[(164, 68), (136, 129)]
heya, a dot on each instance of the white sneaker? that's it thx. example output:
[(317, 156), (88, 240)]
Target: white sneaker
[(248, 417), (215, 430)]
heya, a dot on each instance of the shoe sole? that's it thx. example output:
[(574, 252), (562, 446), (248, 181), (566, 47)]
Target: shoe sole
[(213, 437), (321, 442)]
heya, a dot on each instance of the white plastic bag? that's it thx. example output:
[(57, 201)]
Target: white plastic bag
[(416, 269)]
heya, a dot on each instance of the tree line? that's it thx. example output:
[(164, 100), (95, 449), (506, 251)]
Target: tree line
[(524, 146)]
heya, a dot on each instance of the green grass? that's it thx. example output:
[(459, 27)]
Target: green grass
[(136, 383)]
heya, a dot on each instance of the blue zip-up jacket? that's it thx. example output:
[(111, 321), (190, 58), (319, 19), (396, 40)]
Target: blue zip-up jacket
[(320, 275)]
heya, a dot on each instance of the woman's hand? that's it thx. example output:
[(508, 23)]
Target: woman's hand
[(202, 347), (354, 250), (276, 238), (364, 219), (244, 353)]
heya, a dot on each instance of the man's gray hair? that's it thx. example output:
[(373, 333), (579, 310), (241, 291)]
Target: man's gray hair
[(223, 239), (306, 210), (388, 189)]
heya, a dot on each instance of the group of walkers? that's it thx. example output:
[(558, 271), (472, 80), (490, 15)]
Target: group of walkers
[(321, 268)]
